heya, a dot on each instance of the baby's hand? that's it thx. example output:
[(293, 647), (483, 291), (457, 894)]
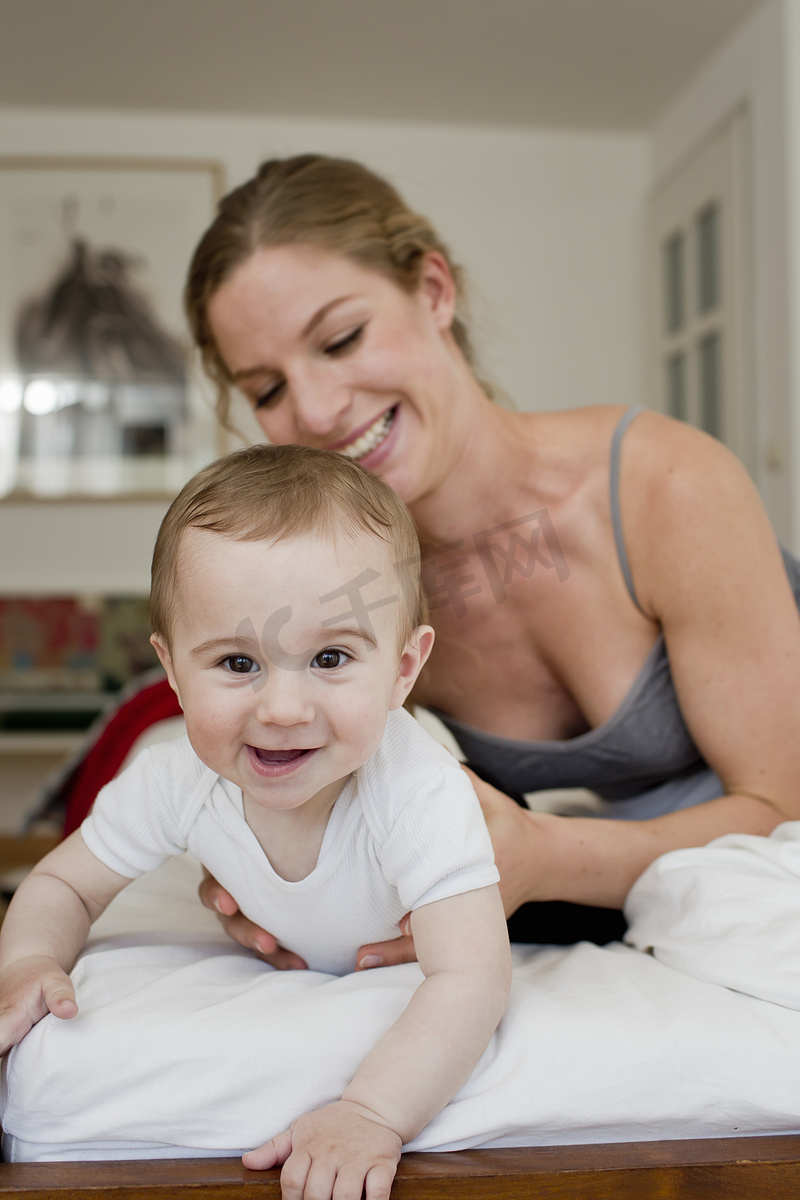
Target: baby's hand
[(30, 988), (341, 1145)]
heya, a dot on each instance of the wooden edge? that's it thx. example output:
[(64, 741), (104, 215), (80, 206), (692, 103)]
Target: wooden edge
[(766, 1166)]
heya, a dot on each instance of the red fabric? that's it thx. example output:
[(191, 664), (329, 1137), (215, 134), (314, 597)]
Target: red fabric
[(156, 702)]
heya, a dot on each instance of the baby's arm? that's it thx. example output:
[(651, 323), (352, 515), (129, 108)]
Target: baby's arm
[(43, 932), (416, 1067)]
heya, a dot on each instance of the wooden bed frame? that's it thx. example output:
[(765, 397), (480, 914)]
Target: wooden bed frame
[(748, 1168)]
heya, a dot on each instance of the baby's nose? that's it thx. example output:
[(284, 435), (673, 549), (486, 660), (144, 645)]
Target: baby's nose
[(284, 699)]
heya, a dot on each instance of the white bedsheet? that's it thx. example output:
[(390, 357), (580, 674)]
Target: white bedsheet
[(185, 1046), (726, 913)]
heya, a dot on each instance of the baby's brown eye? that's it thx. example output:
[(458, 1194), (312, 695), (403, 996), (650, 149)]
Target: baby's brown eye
[(328, 659), (240, 664)]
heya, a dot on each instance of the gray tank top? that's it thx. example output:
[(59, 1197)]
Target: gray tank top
[(645, 743)]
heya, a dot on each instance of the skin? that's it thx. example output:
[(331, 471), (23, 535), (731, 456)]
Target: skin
[(245, 715), (322, 347)]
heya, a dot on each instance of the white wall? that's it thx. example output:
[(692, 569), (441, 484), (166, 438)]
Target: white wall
[(547, 224), (751, 68)]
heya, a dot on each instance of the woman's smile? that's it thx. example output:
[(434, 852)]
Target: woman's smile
[(367, 443)]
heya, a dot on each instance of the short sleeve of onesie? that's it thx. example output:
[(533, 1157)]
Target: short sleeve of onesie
[(437, 844), (133, 827)]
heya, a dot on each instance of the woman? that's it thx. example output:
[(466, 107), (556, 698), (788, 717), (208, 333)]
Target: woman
[(612, 610)]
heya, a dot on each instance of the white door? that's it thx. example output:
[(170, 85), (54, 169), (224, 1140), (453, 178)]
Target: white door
[(699, 242)]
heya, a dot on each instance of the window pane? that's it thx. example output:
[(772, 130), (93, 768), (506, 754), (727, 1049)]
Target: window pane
[(676, 386), (710, 363), (674, 285), (708, 259)]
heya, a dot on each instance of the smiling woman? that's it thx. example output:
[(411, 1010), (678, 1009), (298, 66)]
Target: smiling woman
[(612, 610), (330, 204)]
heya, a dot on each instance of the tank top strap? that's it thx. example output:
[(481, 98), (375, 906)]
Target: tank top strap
[(616, 516)]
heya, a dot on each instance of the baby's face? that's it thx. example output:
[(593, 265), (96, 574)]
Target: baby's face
[(286, 662)]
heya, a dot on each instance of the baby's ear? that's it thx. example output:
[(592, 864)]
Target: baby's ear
[(412, 660), (165, 658)]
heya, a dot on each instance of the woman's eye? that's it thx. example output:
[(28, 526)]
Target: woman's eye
[(330, 659), (345, 343), (240, 664), (271, 396)]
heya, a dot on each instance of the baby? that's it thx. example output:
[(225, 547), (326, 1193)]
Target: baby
[(287, 612)]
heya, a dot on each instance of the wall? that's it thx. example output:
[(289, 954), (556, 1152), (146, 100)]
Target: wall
[(547, 225), (752, 68)]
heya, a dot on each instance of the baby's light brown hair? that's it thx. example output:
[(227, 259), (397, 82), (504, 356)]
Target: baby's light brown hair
[(274, 492)]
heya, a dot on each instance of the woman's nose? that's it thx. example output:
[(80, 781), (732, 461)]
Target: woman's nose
[(319, 402)]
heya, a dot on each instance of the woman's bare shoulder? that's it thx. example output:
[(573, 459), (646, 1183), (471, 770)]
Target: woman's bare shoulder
[(580, 437), (670, 463), (686, 499), (582, 425)]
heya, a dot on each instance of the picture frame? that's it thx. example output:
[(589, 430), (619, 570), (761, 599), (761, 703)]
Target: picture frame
[(101, 397)]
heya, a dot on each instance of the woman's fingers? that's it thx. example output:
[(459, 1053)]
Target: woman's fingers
[(214, 896), (240, 929), (286, 960), (386, 954), (253, 937)]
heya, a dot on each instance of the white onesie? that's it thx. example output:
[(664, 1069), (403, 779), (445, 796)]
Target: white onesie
[(406, 830)]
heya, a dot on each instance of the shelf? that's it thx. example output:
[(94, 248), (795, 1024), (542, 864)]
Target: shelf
[(40, 742)]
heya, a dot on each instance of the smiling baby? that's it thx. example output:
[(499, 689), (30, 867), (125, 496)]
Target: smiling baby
[(288, 614)]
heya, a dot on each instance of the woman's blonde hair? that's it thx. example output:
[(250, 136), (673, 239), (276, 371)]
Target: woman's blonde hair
[(331, 203), (273, 492)]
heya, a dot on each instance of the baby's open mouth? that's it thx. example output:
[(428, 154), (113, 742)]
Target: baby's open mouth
[(278, 756)]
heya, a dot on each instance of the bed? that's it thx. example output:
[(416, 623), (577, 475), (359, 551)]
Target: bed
[(668, 1066), (616, 1072)]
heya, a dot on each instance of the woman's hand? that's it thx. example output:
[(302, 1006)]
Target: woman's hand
[(240, 929), (524, 850), (388, 954), (245, 932), (522, 845)]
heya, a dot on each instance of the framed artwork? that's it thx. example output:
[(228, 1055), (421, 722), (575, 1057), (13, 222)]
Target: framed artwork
[(99, 393)]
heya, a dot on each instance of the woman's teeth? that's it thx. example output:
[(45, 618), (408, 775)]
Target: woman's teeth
[(373, 437)]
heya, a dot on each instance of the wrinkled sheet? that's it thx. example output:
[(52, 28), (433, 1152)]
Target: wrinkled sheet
[(187, 1046), (726, 913)]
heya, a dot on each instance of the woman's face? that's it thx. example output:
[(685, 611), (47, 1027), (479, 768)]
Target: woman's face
[(336, 356)]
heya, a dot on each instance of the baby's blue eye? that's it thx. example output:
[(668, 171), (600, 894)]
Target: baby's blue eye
[(329, 659), (240, 664)]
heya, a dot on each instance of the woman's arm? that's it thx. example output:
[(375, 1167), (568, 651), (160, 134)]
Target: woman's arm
[(420, 1062), (707, 569)]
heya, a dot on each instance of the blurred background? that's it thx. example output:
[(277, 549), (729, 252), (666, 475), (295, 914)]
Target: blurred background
[(620, 178)]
